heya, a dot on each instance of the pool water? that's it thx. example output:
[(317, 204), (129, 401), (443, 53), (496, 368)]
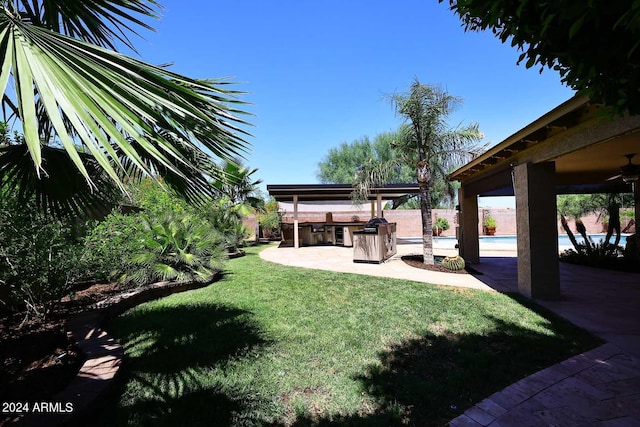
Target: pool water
[(563, 239)]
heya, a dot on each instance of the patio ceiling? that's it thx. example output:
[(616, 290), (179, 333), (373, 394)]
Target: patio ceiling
[(587, 145), (331, 192)]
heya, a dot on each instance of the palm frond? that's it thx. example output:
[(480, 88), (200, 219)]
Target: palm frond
[(99, 22), (61, 192), (101, 99)]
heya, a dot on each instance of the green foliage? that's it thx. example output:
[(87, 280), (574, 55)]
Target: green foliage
[(628, 214), (593, 45), (179, 248), (235, 182), (39, 257), (226, 218), (71, 89), (489, 221), (442, 223), (167, 240), (340, 164), (270, 219), (109, 245), (601, 255), (578, 205), (454, 263)]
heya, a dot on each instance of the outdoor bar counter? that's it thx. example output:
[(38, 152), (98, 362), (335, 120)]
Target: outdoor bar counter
[(323, 233)]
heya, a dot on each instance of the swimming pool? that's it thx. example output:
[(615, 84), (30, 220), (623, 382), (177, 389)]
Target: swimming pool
[(563, 240)]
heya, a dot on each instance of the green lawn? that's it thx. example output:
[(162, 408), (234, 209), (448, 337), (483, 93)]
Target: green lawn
[(276, 345)]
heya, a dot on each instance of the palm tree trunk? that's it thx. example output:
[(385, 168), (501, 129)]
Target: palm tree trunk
[(427, 233), (565, 225), (614, 224), (425, 209)]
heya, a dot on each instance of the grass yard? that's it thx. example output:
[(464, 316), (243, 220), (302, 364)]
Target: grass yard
[(276, 345)]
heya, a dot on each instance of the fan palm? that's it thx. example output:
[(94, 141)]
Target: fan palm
[(429, 143), (182, 249), (236, 183), (66, 86)]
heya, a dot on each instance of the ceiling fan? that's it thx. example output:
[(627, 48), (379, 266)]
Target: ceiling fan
[(629, 172)]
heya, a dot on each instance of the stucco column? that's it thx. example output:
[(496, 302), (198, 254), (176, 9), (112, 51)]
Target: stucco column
[(468, 238), (537, 227)]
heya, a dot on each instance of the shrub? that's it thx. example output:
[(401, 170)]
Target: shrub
[(224, 216), (179, 248), (442, 223), (38, 258), (489, 221), (270, 219), (601, 255), (109, 245)]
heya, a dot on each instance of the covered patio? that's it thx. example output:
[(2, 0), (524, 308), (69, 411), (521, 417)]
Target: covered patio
[(297, 193), (575, 148)]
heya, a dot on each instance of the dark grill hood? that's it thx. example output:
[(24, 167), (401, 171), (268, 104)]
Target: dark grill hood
[(373, 224)]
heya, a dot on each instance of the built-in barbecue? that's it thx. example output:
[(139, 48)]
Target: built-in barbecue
[(375, 242)]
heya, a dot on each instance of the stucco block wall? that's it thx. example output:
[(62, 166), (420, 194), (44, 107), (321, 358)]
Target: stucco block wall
[(505, 220), (409, 222)]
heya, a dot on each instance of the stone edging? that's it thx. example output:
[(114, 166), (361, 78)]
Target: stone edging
[(104, 355)]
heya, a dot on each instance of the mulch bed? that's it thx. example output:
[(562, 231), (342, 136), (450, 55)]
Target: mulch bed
[(417, 261), (38, 358)]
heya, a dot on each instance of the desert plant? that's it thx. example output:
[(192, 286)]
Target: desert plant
[(109, 244), (442, 223), (454, 263), (601, 255), (176, 248), (225, 217), (38, 258), (270, 220)]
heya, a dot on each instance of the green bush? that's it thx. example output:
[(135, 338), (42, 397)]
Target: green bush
[(179, 248), (601, 255), (109, 245), (442, 223), (225, 217), (39, 258), (490, 221), (270, 220)]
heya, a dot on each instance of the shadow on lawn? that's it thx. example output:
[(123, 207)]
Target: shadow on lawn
[(430, 380), (167, 349)]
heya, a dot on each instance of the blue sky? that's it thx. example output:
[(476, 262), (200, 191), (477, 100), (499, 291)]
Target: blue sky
[(316, 72)]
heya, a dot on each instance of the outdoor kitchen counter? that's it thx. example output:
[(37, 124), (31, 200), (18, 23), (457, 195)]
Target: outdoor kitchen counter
[(326, 233)]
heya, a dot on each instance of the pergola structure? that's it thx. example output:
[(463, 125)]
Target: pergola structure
[(334, 192), (575, 148)]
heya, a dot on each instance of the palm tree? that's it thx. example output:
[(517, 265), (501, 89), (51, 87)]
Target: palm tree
[(67, 89), (429, 143), (236, 182)]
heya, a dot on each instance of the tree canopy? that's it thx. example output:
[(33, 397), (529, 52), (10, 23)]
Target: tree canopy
[(594, 45), (427, 142), (342, 164)]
